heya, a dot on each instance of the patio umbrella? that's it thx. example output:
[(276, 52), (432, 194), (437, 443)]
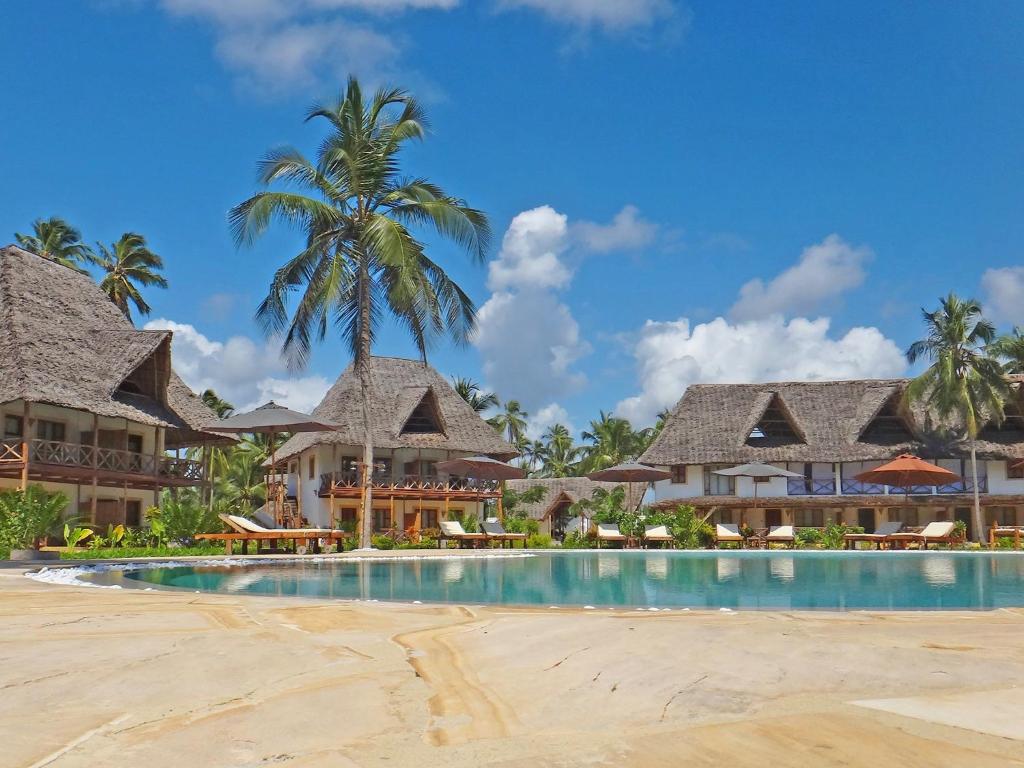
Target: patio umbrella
[(907, 471), (630, 472), (484, 468), (756, 470), (270, 419)]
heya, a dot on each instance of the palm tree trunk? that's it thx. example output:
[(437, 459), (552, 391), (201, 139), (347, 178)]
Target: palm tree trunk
[(979, 523), (363, 368)]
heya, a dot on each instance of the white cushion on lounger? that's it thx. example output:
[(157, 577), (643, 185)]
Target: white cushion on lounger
[(452, 528), (781, 532), (727, 531), (657, 532), (937, 530), (609, 531)]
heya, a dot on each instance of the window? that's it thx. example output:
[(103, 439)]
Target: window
[(1014, 470), (775, 427), (346, 516), (808, 518), (906, 515), (312, 467), (678, 474), (133, 513), (424, 417), (135, 443), (724, 516), (718, 485), (428, 518), (14, 426), (381, 519), (50, 430)]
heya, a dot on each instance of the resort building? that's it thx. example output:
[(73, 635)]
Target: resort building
[(89, 405), (418, 421), (553, 511), (828, 432)]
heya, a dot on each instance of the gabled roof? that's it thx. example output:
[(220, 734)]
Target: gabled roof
[(397, 387), (711, 424), (772, 423), (567, 489), (63, 342)]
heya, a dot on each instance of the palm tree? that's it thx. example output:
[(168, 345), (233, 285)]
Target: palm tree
[(533, 454), (511, 423), (612, 440), (561, 456), (58, 241), (128, 264), (471, 392), (217, 457), (212, 400), (360, 259), (242, 484), (1010, 348), (963, 381)]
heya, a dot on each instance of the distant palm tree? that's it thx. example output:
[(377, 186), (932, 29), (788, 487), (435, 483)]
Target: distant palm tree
[(963, 380), (359, 258), (612, 441), (561, 456), (471, 392), (1010, 348), (212, 400), (218, 458), (128, 264), (533, 454), (511, 423), (58, 241)]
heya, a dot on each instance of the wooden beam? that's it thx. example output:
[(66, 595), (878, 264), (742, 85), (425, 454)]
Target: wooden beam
[(95, 457), (25, 443)]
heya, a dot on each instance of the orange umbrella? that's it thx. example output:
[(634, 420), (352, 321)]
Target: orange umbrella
[(906, 472)]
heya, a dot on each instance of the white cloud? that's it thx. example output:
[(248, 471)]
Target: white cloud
[(627, 231), (538, 422), (241, 371), (610, 15), (531, 251), (1004, 295), (672, 355), (825, 270)]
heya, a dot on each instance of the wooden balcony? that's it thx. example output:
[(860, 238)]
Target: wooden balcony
[(346, 485), (75, 462)]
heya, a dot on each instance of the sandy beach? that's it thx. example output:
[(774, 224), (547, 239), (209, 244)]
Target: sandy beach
[(97, 677)]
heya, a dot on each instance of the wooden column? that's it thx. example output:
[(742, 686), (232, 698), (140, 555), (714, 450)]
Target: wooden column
[(298, 489), (95, 458), (124, 490), (26, 430), (157, 464)]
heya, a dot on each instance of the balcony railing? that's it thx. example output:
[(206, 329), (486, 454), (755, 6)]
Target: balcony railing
[(810, 486), (11, 451), (350, 479), (854, 488), (79, 456)]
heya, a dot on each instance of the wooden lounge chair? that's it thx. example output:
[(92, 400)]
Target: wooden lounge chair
[(658, 534), (1015, 532), (781, 534), (245, 530), (610, 532), (452, 530), (877, 538), (495, 531), (933, 533), (728, 533)]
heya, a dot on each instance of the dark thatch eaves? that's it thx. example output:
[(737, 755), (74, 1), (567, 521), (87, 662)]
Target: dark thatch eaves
[(402, 392), (567, 489), (822, 421), (63, 342)]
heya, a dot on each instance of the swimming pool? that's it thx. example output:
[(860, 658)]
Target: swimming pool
[(629, 579)]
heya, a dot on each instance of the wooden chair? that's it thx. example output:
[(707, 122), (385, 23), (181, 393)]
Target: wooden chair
[(933, 533), (877, 538), (781, 534), (495, 531), (658, 534), (245, 530), (452, 530), (610, 532)]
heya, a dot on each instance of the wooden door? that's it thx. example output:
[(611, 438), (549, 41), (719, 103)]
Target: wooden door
[(772, 517), (866, 519)]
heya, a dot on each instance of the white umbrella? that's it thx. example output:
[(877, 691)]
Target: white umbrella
[(757, 471)]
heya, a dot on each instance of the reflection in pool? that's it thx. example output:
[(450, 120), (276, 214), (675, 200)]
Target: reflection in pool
[(819, 580)]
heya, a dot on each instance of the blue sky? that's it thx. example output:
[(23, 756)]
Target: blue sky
[(644, 161)]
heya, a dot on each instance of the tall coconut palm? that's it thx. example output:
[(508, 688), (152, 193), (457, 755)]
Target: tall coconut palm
[(471, 392), (360, 259), (55, 239), (1010, 349), (128, 264), (217, 458), (213, 401), (612, 440), (561, 456), (511, 423), (963, 381)]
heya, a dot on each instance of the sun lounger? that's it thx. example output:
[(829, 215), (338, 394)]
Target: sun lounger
[(452, 530), (728, 533), (245, 530), (495, 531), (658, 534), (933, 533), (781, 534), (1015, 532), (610, 532), (877, 538)]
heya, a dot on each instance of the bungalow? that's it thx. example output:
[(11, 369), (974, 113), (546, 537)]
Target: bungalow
[(829, 432), (553, 510), (418, 421), (89, 405)]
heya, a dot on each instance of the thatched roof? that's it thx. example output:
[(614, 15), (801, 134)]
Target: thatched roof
[(569, 489), (816, 421), (400, 390), (63, 342)]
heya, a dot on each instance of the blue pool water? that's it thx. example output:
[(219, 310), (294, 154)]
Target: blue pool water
[(742, 580)]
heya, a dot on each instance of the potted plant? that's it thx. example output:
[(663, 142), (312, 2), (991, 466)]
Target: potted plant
[(27, 518)]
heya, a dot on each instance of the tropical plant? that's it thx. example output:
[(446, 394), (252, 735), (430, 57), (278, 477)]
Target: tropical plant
[(511, 423), (58, 241), (612, 441), (833, 537), (560, 456), (360, 259), (182, 516), (128, 264), (28, 517), (75, 536), (471, 392), (963, 380), (242, 485), (690, 530), (1010, 348), (215, 403)]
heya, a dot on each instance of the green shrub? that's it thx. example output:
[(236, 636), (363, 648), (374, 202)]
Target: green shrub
[(832, 537), (1006, 542), (380, 541), (180, 519), (202, 550), (690, 530), (808, 537), (579, 540), (539, 541), (28, 517)]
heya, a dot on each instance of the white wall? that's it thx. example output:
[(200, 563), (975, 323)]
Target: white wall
[(998, 483)]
